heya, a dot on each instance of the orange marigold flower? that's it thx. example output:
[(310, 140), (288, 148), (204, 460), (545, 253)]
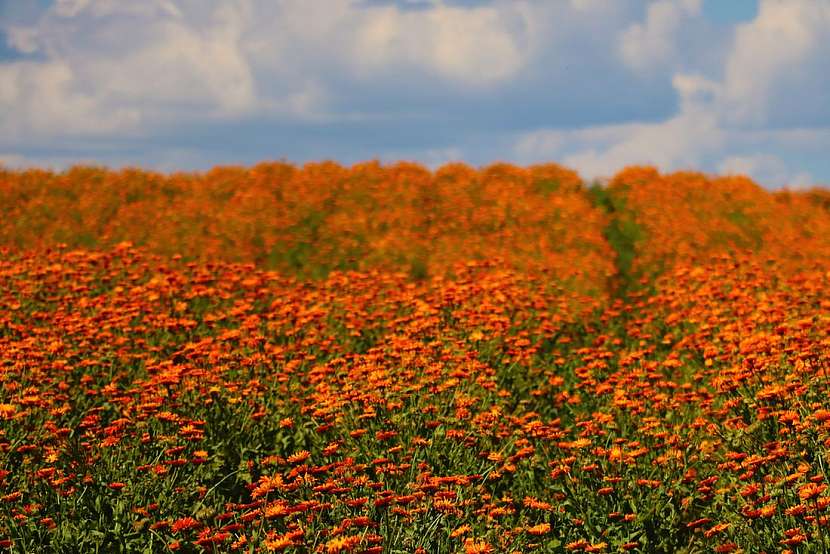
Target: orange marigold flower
[(715, 529), (12, 497), (276, 509), (472, 546), (811, 490), (342, 544), (750, 490), (577, 545), (698, 522), (768, 510), (299, 457), (7, 411), (460, 531), (797, 510), (541, 529), (184, 524), (794, 537), (267, 484), (277, 543)]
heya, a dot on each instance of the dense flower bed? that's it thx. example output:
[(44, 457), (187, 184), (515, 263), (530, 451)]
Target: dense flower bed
[(153, 404)]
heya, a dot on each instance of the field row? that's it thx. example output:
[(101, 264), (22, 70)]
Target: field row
[(321, 217)]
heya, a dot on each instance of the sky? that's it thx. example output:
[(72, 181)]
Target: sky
[(721, 86)]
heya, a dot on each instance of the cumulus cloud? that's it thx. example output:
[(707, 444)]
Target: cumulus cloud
[(43, 97), (474, 46), (107, 67), (650, 45), (121, 66), (723, 122), (768, 169), (778, 71), (682, 141)]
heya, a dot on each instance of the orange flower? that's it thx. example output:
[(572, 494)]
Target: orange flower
[(299, 457), (184, 524), (540, 529), (267, 484), (276, 509), (7, 411), (715, 529), (342, 544), (460, 531), (472, 546), (810, 491), (12, 497), (277, 543)]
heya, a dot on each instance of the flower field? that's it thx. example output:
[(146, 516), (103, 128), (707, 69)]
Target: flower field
[(385, 359), (321, 217)]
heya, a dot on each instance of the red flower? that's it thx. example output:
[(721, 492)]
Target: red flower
[(184, 524)]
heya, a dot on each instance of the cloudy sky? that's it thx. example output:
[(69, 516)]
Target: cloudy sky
[(718, 85)]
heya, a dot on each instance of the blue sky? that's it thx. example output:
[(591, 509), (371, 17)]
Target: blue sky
[(724, 86)]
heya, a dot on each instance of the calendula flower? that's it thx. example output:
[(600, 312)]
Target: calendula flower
[(184, 524), (810, 491), (540, 529), (473, 546), (342, 544), (7, 411)]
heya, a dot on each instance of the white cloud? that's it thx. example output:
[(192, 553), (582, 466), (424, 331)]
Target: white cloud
[(767, 169), (682, 141), (113, 67), (686, 141), (473, 46), (779, 67), (719, 124), (108, 66), (652, 44), (42, 98)]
